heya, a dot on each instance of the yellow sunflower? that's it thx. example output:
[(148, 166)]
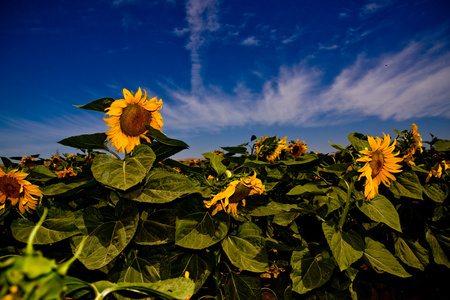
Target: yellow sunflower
[(297, 149), (258, 144), (19, 191), (28, 161), (55, 160), (235, 192), (276, 153), (415, 145), (129, 117), (380, 163), (66, 173), (437, 169)]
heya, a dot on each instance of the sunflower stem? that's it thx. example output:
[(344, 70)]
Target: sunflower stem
[(29, 249), (347, 203)]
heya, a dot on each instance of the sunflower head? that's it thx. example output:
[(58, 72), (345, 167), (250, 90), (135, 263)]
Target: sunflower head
[(380, 164), (19, 191), (235, 193), (55, 160), (129, 118), (27, 161), (415, 141), (297, 149)]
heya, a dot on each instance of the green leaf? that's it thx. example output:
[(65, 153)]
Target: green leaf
[(381, 260), (442, 145), (255, 164), (359, 141), (108, 231), (238, 287), (216, 162), (439, 255), (201, 230), (380, 209), (173, 288), (285, 218), (406, 185), (40, 171), (99, 105), (198, 264), (162, 186), (68, 187), (300, 160), (436, 191), (164, 139), (156, 227), (125, 174), (310, 188), (86, 141), (411, 253), (58, 225), (163, 151), (273, 208), (309, 272), (336, 146), (246, 248), (235, 150), (347, 247)]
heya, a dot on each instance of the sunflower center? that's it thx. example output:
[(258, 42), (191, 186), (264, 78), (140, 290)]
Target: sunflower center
[(377, 163), (9, 187), (133, 120), (241, 191)]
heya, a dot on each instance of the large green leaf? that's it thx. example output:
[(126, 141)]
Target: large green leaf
[(309, 272), (358, 141), (347, 247), (238, 287), (68, 187), (216, 162), (164, 139), (156, 227), (108, 231), (439, 255), (162, 186), (201, 230), (411, 253), (406, 185), (236, 150), (380, 209), (199, 265), (436, 191), (381, 260), (99, 105), (86, 141), (173, 288), (123, 174), (442, 145), (300, 160), (246, 248), (58, 225), (309, 188)]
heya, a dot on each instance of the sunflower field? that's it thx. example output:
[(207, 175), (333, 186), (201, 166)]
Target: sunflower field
[(266, 219)]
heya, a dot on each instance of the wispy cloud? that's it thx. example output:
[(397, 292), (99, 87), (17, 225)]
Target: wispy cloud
[(408, 84), (373, 7), (250, 41)]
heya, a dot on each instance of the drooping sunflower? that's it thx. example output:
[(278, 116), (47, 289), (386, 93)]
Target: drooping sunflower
[(416, 144), (437, 169), (380, 164), (235, 192), (297, 149), (19, 191), (128, 118)]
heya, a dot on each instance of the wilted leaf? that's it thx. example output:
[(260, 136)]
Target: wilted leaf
[(246, 248)]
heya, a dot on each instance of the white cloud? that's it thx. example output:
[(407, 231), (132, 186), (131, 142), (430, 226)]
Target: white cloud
[(250, 41), (408, 84)]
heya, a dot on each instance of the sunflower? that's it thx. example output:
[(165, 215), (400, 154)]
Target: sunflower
[(14, 187), (55, 160), (235, 192), (66, 173), (437, 169), (27, 161), (380, 163), (297, 149), (416, 144), (129, 116), (281, 146)]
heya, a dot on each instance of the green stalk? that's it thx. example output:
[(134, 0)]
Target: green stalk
[(29, 249), (347, 203)]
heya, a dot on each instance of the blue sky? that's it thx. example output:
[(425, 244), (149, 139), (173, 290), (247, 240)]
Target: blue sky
[(225, 70)]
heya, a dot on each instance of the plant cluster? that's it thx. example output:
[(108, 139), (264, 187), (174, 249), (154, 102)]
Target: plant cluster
[(262, 220)]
